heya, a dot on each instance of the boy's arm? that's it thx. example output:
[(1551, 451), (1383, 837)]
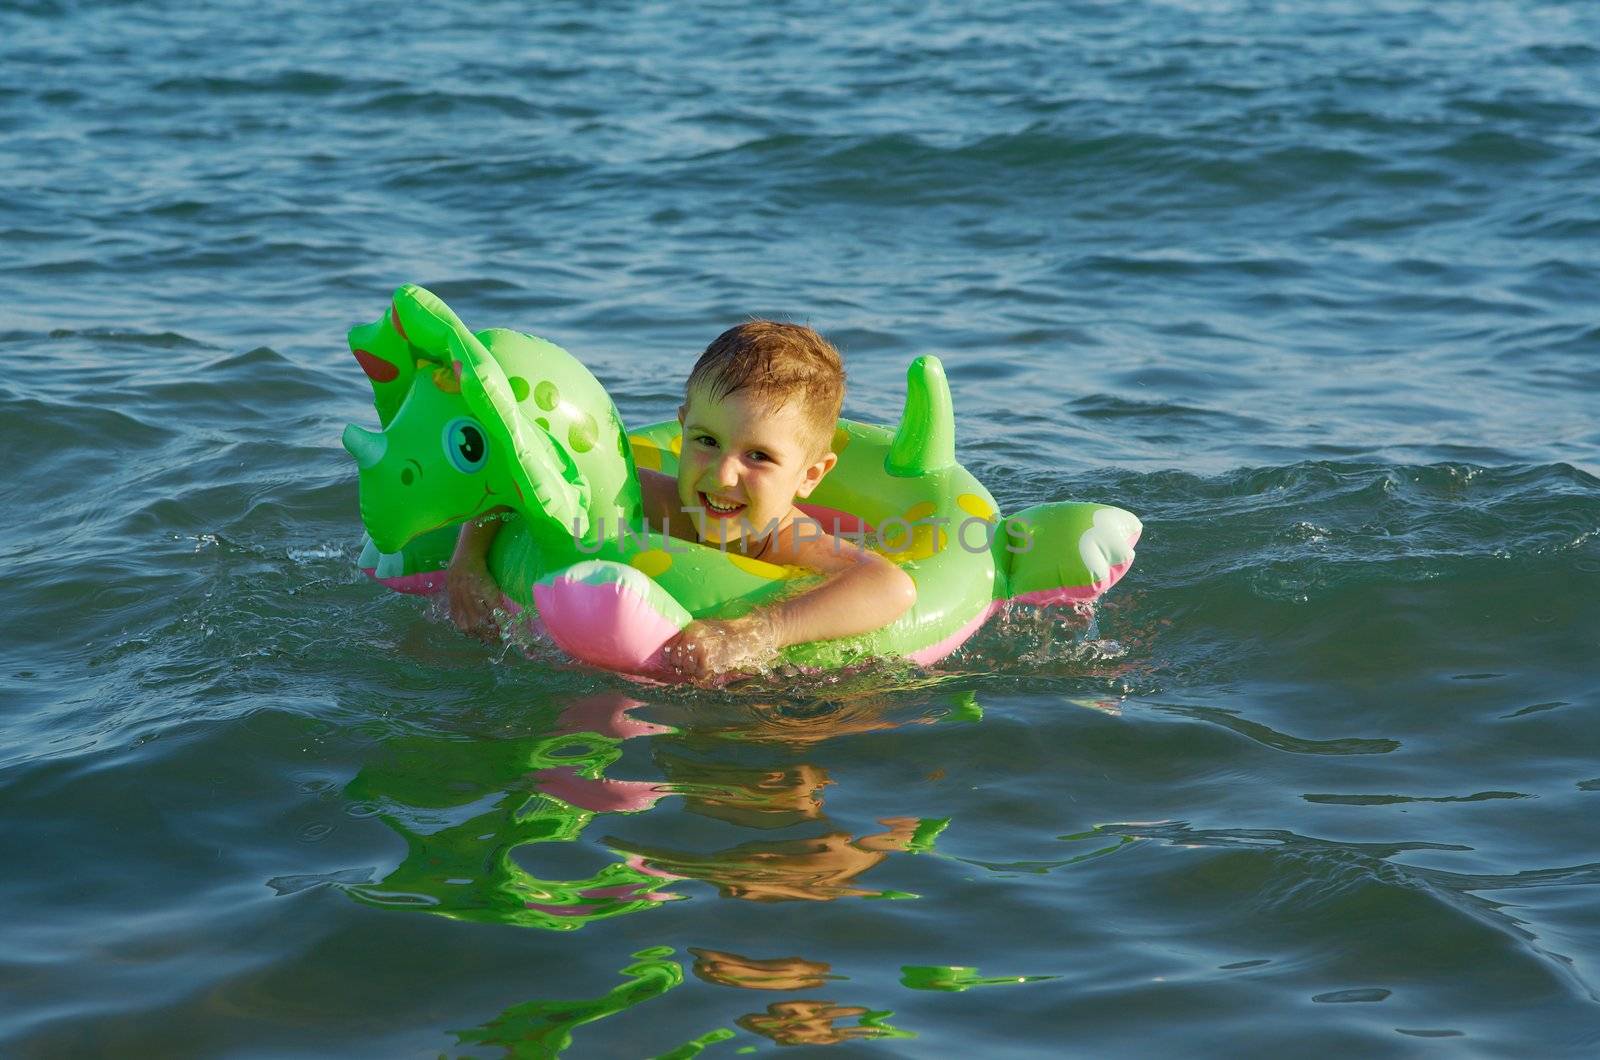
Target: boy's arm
[(863, 592), (471, 588)]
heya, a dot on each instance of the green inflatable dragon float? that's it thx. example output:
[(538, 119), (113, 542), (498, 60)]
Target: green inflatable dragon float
[(472, 421)]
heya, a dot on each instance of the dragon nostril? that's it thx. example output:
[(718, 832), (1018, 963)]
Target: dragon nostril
[(406, 476)]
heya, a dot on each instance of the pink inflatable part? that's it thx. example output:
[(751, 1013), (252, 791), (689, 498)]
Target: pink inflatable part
[(610, 616)]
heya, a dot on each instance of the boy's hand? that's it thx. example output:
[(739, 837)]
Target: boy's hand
[(473, 597), (704, 649)]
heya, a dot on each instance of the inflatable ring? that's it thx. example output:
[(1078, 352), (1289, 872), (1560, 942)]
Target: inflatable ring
[(473, 421)]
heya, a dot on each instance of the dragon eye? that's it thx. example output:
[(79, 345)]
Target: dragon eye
[(466, 445)]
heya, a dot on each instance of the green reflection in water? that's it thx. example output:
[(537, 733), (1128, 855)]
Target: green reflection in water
[(544, 1028), (964, 707), (694, 1048), (954, 978), (463, 809)]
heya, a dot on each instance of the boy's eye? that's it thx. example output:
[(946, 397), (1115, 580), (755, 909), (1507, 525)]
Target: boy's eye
[(759, 457), (705, 439)]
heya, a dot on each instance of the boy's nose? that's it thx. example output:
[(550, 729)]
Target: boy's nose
[(727, 472)]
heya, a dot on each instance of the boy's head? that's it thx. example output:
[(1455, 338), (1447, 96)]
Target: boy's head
[(759, 413), (777, 365)]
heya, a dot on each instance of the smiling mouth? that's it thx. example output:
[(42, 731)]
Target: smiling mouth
[(720, 511)]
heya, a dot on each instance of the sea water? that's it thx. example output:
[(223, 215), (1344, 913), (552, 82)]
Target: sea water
[(1309, 287)]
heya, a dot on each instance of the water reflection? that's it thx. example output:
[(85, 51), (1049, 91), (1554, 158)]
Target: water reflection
[(751, 973), (464, 808), (544, 1028), (739, 795), (474, 815), (800, 723), (954, 978), (820, 1023), (817, 869)]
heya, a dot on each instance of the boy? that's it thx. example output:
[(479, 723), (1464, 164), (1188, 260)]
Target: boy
[(758, 417)]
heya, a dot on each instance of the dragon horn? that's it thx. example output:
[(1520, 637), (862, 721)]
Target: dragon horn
[(366, 447), (926, 440)]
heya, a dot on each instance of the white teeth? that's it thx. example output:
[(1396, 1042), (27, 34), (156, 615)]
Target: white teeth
[(714, 506)]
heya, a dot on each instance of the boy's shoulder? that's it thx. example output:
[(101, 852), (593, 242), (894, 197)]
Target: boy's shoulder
[(658, 496)]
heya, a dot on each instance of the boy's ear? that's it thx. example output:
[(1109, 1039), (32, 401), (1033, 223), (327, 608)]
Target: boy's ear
[(681, 410), (820, 467)]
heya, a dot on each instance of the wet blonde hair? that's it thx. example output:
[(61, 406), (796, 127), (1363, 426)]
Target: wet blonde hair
[(779, 364)]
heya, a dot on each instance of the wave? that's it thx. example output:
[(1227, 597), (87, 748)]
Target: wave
[(315, 84)]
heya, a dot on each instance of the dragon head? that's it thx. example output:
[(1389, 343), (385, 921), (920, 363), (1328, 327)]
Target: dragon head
[(454, 442), (434, 465)]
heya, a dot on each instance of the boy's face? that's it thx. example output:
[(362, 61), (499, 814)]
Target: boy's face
[(744, 463)]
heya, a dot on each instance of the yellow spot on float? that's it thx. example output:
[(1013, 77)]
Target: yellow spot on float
[(653, 562), (676, 444), (924, 541), (759, 567), (841, 438), (976, 506), (646, 454)]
